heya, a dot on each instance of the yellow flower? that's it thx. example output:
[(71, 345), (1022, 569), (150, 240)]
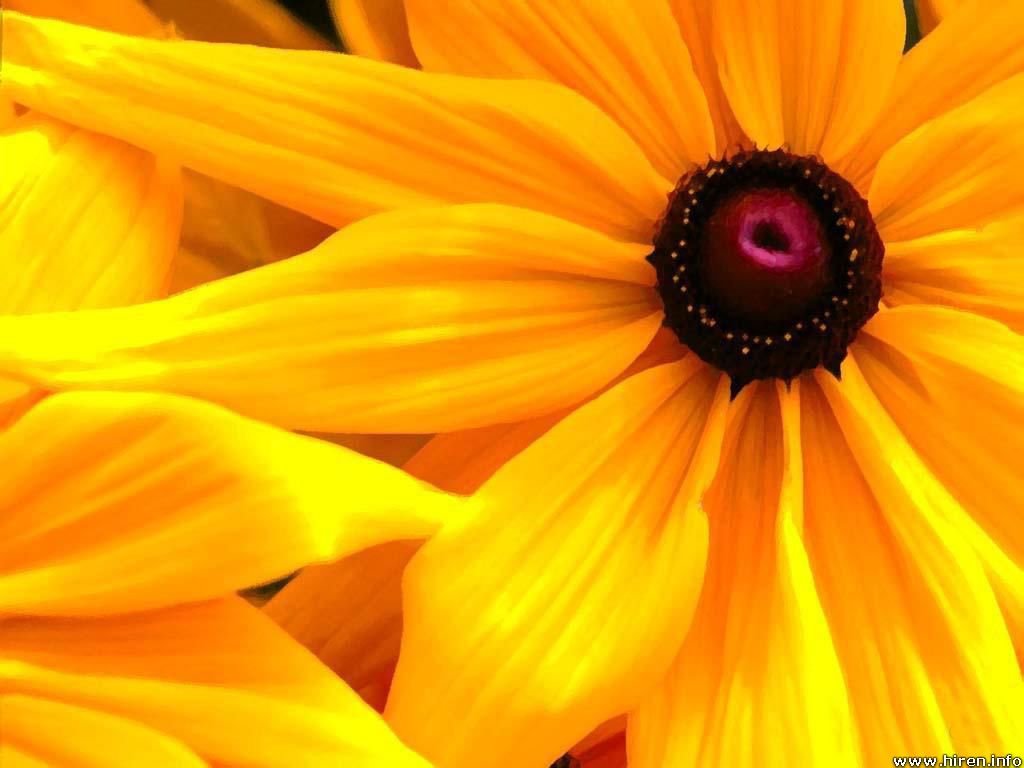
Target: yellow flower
[(125, 522), (829, 571)]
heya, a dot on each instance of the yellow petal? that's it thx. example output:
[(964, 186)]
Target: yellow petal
[(349, 614), (339, 137), (978, 270), (412, 321), (807, 75), (563, 596), (377, 29), (938, 602), (256, 22), (11, 757), (218, 677), (125, 502), (757, 680), (954, 385), (626, 56), (130, 17), (85, 221), (973, 49), (900, 586), (961, 170), (66, 735), (694, 20)]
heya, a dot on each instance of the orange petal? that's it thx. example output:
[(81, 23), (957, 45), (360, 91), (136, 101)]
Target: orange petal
[(757, 680), (973, 49), (953, 381), (85, 221), (978, 270), (256, 22), (694, 20), (926, 653), (228, 230), (610, 753), (66, 735), (217, 677), (339, 137), (795, 70), (961, 170), (7, 112), (126, 502), (626, 56), (564, 595), (395, 450), (954, 385), (349, 614), (412, 321), (377, 29), (130, 17), (931, 12)]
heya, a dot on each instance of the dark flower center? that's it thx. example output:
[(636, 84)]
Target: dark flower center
[(768, 264)]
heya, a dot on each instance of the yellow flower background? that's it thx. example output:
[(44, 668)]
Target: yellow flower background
[(387, 319)]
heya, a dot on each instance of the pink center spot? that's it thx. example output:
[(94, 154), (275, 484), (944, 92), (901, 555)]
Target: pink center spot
[(766, 255)]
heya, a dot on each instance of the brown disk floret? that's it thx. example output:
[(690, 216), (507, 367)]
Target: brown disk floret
[(768, 264)]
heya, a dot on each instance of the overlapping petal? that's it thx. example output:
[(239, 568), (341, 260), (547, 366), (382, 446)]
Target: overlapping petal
[(85, 221), (377, 29), (978, 270), (960, 170), (412, 321), (931, 12), (972, 50), (349, 613), (130, 17), (927, 657), (694, 20), (256, 22), (795, 70), (58, 734), (520, 634), (227, 230), (7, 111), (368, 137), (126, 502), (217, 677), (626, 56), (954, 385), (758, 680)]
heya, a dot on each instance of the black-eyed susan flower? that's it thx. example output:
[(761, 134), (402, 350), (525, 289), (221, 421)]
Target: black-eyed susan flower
[(797, 538), (126, 522)]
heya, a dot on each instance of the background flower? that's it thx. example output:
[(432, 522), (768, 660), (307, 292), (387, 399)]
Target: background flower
[(126, 523)]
